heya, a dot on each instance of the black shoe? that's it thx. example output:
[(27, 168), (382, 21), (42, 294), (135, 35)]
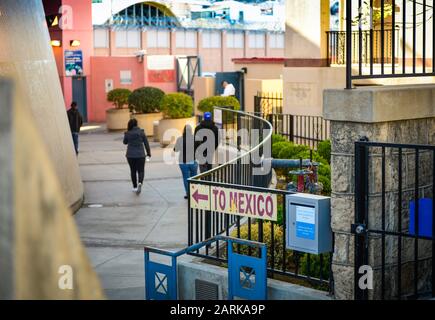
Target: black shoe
[(186, 197), (139, 189)]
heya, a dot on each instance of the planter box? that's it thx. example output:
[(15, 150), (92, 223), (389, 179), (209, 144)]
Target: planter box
[(171, 129), (146, 120), (117, 119)]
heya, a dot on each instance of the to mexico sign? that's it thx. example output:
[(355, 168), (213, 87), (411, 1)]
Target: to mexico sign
[(258, 205)]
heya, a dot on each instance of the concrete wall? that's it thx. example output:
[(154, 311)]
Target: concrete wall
[(38, 237), (37, 85), (402, 114), (204, 88), (188, 272), (104, 68), (254, 86), (303, 88), (213, 59)]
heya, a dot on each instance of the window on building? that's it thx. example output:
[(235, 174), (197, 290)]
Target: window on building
[(256, 40), (276, 40), (127, 39), (185, 39), (211, 39), (157, 38), (235, 40), (101, 38)]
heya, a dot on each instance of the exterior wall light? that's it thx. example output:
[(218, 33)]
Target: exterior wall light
[(74, 43), (56, 43)]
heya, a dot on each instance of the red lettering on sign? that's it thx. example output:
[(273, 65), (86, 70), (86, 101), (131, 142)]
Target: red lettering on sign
[(248, 203), (215, 192), (222, 200), (269, 206), (260, 208), (241, 203)]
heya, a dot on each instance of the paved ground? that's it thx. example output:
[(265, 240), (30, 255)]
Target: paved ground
[(115, 233)]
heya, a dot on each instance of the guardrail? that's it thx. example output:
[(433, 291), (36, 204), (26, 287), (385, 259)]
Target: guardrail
[(245, 174), (161, 281)]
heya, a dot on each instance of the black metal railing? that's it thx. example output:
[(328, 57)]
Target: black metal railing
[(305, 130), (395, 219), (412, 47), (239, 173), (268, 103), (336, 54)]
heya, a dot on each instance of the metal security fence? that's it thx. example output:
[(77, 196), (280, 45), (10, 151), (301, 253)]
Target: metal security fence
[(407, 52), (305, 130), (239, 173), (336, 54), (394, 220)]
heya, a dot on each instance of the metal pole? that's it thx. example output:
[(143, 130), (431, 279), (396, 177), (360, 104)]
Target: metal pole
[(349, 44)]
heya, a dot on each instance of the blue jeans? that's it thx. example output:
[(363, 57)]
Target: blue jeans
[(188, 170), (75, 136)]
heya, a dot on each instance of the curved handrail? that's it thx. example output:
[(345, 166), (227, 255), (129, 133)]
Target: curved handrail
[(262, 143)]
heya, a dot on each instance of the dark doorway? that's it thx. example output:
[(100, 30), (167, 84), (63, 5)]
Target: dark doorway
[(237, 80), (79, 95)]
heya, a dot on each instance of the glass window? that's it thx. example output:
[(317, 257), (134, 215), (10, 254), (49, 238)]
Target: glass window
[(101, 38), (185, 39), (211, 39), (157, 38), (235, 40), (276, 40), (127, 39), (256, 40)]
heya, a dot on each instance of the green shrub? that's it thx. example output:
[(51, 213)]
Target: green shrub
[(314, 268), (278, 146), (177, 106), (119, 97), (292, 151), (326, 182), (146, 100), (208, 104), (324, 149), (277, 138)]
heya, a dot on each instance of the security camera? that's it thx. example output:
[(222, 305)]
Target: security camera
[(140, 55)]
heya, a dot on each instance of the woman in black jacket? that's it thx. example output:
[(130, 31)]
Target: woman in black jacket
[(136, 139)]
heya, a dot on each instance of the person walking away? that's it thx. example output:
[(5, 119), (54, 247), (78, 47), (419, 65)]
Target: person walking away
[(229, 90), (75, 123), (205, 130), (185, 147), (135, 139)]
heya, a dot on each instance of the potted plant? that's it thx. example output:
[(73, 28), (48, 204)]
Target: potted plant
[(117, 118), (145, 105), (177, 111)]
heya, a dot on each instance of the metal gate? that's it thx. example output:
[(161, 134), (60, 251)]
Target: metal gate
[(188, 67), (394, 221)]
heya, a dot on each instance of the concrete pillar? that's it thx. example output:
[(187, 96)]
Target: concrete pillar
[(402, 114), (39, 241), (27, 58)]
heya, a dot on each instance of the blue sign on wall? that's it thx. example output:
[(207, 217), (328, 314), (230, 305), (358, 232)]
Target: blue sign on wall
[(73, 63), (424, 217)]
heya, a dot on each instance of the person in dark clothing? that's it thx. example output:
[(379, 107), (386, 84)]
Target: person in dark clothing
[(185, 146), (135, 139), (75, 123), (204, 131)]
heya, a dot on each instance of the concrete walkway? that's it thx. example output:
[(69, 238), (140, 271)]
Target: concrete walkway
[(115, 223)]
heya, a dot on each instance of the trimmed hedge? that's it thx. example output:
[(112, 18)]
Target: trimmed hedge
[(177, 106), (208, 104), (146, 100), (324, 149), (119, 97)]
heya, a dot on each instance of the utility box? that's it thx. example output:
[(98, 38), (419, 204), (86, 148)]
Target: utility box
[(308, 219)]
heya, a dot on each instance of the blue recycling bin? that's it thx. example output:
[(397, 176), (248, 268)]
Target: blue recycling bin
[(424, 217)]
